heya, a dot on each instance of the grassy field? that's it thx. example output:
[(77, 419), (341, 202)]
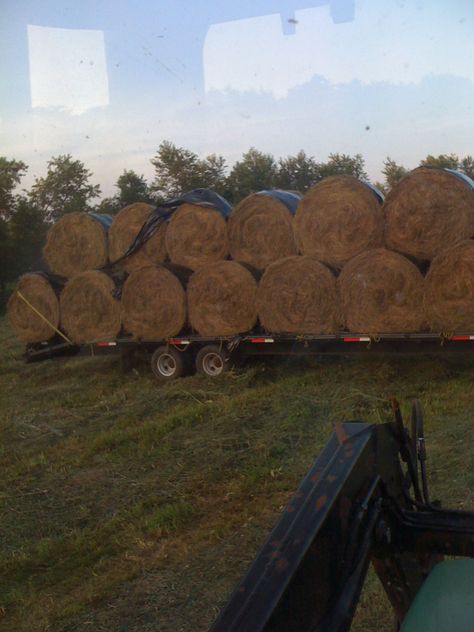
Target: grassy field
[(132, 505)]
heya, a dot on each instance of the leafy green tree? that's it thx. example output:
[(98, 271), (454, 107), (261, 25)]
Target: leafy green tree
[(11, 172), (446, 161), (344, 165), (64, 189), (132, 188), (254, 172), (27, 233), (392, 172), (108, 206), (297, 173), (467, 166), (213, 173), (6, 259), (178, 170)]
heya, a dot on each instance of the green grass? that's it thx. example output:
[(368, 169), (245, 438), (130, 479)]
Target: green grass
[(132, 505)]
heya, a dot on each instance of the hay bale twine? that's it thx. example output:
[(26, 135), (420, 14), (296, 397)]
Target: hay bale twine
[(27, 325), (77, 242), (221, 299), (337, 219), (153, 303), (450, 289), (197, 235), (261, 228), (89, 311), (125, 227), (427, 211), (298, 295), (381, 292)]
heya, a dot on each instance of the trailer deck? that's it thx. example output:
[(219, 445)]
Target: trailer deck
[(211, 356)]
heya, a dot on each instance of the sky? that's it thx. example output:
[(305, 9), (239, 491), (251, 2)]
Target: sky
[(107, 81)]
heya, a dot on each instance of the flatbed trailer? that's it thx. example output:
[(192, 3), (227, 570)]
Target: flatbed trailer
[(175, 357)]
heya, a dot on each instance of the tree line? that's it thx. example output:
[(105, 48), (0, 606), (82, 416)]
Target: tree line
[(25, 215)]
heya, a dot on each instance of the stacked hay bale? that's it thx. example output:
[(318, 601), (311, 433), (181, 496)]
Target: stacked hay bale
[(90, 311), (261, 228), (76, 243), (427, 211), (33, 308), (97, 259), (449, 304), (298, 295), (222, 299), (154, 302), (197, 235), (428, 216), (381, 291), (338, 219), (339, 258), (123, 232)]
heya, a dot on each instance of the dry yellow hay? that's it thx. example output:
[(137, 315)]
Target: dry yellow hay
[(381, 292), (261, 229), (450, 289), (427, 211), (125, 227), (196, 235), (77, 242), (153, 303), (89, 312), (298, 295), (25, 322), (337, 219), (221, 299)]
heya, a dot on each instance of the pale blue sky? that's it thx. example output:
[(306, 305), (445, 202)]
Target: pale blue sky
[(109, 80)]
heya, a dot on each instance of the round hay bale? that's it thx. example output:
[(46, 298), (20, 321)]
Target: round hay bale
[(77, 242), (450, 289), (261, 228), (125, 227), (221, 299), (153, 303), (25, 322), (196, 235), (337, 219), (298, 295), (89, 311), (427, 211), (381, 292)]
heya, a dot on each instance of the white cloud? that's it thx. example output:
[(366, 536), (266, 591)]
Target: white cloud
[(68, 69), (386, 42)]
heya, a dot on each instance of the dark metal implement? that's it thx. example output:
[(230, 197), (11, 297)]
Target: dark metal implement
[(354, 507)]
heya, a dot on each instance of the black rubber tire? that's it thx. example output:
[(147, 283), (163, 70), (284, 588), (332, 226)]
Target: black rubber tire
[(212, 361), (167, 363)]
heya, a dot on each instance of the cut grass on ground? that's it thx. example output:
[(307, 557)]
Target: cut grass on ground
[(133, 505)]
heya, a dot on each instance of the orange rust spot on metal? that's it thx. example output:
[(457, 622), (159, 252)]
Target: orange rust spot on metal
[(341, 433), (321, 501), (281, 564), (331, 478), (290, 508), (315, 478)]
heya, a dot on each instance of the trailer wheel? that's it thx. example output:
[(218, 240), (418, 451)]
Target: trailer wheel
[(168, 363), (212, 361)]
